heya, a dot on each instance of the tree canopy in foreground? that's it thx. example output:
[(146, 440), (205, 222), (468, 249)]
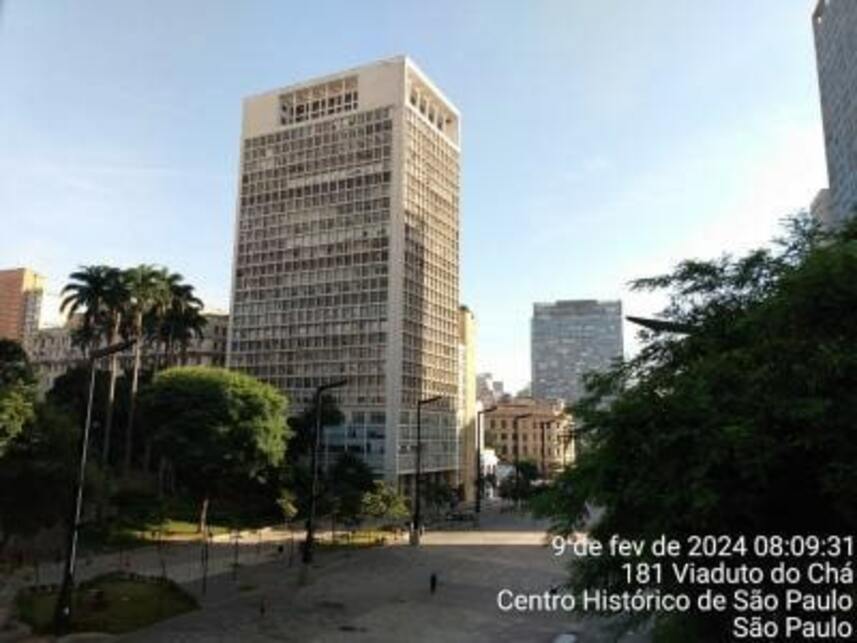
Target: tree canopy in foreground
[(217, 427), (745, 425), (17, 392)]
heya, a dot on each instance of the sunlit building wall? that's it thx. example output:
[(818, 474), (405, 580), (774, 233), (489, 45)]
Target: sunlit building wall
[(346, 261)]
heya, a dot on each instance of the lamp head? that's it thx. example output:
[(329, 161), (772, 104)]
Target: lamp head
[(429, 400)]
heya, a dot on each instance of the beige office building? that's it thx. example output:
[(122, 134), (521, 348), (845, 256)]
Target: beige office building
[(21, 292), (544, 438), (346, 261)]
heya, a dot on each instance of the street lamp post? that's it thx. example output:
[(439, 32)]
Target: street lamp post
[(522, 416), (415, 537), (62, 611), (479, 437), (310, 521)]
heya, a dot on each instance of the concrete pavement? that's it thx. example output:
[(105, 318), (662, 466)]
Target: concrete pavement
[(378, 594), (383, 594)]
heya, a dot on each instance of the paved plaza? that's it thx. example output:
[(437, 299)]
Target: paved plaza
[(383, 594), (362, 595)]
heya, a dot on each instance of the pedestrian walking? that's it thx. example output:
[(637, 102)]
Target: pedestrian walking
[(433, 582)]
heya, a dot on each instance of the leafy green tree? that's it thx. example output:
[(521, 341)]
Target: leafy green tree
[(383, 502), (349, 479), (218, 428), (300, 481), (14, 364), (16, 409), (438, 495), (17, 391), (744, 425), (178, 320), (287, 506), (520, 486), (303, 426), (38, 474), (70, 392), (299, 451)]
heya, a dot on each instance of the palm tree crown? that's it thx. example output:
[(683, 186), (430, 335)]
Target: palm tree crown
[(181, 321), (147, 293), (97, 291)]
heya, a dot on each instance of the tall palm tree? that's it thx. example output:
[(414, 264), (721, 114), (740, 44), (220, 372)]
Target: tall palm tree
[(87, 293), (147, 292), (189, 327), (116, 300), (174, 321), (183, 320), (180, 320)]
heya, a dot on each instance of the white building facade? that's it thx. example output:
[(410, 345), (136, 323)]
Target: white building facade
[(346, 261)]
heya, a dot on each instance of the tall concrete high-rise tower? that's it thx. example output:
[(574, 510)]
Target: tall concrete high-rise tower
[(835, 26), (346, 260), (569, 339)]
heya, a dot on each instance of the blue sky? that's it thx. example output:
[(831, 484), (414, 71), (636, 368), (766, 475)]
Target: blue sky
[(602, 141)]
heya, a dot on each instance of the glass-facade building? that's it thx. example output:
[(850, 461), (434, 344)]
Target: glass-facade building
[(569, 339), (835, 27), (346, 260)]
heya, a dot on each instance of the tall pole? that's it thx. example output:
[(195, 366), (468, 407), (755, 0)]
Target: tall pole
[(517, 463), (62, 611), (517, 460), (415, 538), (417, 476), (326, 452), (544, 447), (310, 521), (479, 438)]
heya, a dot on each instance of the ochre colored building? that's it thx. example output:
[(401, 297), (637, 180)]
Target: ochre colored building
[(544, 438), (20, 303)]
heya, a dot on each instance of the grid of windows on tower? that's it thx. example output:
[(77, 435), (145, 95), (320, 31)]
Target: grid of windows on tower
[(430, 315), (311, 276)]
